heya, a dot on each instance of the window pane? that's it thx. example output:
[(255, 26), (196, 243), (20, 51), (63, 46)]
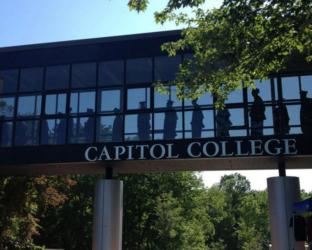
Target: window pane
[(29, 106), (290, 88), (264, 90), (224, 121), (138, 98), (83, 75), (138, 127), (110, 100), (57, 77), (55, 104), (294, 114), (6, 129), (53, 131), (111, 73), (205, 99), (197, 122), (235, 96), (80, 130), (163, 100), (31, 79), (8, 81), (166, 67), (82, 102), (26, 133), (139, 70), (168, 125), (238, 132), (306, 85), (109, 128), (7, 107)]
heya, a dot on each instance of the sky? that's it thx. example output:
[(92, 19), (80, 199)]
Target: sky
[(37, 21)]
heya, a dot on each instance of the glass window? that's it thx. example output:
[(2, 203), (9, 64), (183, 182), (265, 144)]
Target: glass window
[(268, 122), (83, 75), (306, 85), (111, 73), (82, 102), (81, 130), (264, 90), (138, 127), (235, 96), (55, 104), (26, 133), (168, 125), (294, 114), (290, 88), (138, 98), (31, 79), (7, 105), (110, 100), (53, 131), (6, 129), (205, 99), (238, 132), (110, 128), (57, 77), (197, 123), (237, 117), (29, 105), (166, 68), (139, 70), (8, 81), (167, 100)]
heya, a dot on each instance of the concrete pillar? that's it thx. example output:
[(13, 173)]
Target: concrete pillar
[(283, 192), (107, 218)]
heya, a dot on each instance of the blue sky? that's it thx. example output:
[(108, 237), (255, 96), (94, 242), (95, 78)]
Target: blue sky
[(38, 21)]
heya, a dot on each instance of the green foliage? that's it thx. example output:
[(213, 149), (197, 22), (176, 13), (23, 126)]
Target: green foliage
[(238, 42)]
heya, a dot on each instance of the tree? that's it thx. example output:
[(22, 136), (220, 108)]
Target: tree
[(239, 42)]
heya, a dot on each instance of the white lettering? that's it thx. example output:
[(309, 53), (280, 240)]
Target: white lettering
[(189, 150), (170, 156), (256, 145), (239, 149), (216, 149), (290, 144), (223, 149), (87, 154), (104, 153), (162, 151), (119, 150), (142, 154), (267, 147), (130, 157)]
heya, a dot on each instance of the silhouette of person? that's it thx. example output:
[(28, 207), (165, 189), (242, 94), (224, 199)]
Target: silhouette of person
[(44, 132), (223, 122), (143, 123), (117, 127), (306, 113), (170, 122), (89, 127), (6, 135), (21, 133), (281, 119), (197, 120), (257, 114), (60, 132)]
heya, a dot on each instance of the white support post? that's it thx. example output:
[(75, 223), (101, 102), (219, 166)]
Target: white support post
[(107, 218)]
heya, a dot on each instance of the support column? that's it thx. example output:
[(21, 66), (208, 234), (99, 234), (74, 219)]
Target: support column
[(283, 192), (107, 218)]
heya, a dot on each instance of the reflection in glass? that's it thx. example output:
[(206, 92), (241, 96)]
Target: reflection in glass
[(207, 124), (29, 105), (161, 99), (111, 73), (81, 129), (290, 88), (109, 128), (53, 131), (55, 104), (257, 114), (139, 70), (281, 120), (306, 85), (8, 81), (83, 75), (110, 100), (264, 88), (131, 127), (6, 129), (197, 120), (235, 96), (31, 79), (166, 67), (223, 122), (168, 125), (306, 113), (205, 99), (294, 112), (238, 132), (26, 133), (82, 102), (137, 96), (7, 106), (57, 77)]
